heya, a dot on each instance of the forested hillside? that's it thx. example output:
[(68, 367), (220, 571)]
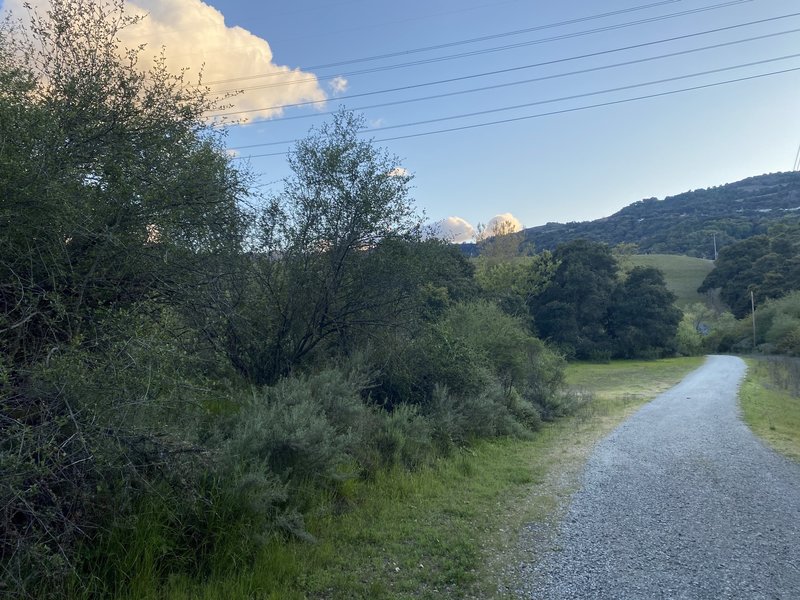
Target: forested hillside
[(686, 223)]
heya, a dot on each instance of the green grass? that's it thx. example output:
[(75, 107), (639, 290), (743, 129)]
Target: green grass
[(451, 530), (770, 403), (684, 274)]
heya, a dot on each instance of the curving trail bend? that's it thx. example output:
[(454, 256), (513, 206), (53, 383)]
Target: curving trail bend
[(680, 501)]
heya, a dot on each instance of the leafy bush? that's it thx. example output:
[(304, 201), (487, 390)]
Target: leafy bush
[(405, 438), (688, 341), (456, 421), (779, 322), (301, 428)]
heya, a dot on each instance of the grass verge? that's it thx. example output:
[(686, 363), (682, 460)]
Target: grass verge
[(452, 530), (770, 402)]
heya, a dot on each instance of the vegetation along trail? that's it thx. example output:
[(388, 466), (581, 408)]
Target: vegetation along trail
[(681, 501)]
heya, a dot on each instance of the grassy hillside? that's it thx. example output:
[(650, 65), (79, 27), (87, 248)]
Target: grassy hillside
[(684, 274)]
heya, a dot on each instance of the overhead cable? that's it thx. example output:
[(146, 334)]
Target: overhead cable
[(483, 38), (314, 78), (531, 80), (551, 113)]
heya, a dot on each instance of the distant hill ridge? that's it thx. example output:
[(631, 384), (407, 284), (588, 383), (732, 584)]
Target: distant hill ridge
[(686, 223)]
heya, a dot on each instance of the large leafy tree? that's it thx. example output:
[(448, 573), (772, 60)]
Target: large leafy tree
[(767, 265), (572, 311), (114, 196), (643, 318), (333, 253), (112, 183)]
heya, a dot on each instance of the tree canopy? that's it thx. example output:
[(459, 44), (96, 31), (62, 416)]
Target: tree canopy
[(590, 311), (768, 265)]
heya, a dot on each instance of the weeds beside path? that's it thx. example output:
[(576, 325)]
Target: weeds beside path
[(453, 530), (770, 402)]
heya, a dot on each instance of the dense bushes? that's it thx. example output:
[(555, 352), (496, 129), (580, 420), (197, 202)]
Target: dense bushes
[(184, 374), (777, 330)]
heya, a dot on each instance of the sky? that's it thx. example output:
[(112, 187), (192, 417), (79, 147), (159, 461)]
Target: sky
[(595, 95)]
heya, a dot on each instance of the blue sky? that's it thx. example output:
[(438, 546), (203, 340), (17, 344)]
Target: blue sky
[(578, 165)]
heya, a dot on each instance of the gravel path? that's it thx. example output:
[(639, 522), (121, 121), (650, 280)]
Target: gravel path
[(681, 501)]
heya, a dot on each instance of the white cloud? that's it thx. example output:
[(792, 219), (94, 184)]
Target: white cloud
[(502, 223), (399, 172), (196, 37), (453, 229), (338, 85)]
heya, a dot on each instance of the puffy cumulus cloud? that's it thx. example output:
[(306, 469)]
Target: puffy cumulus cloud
[(453, 229), (502, 224), (196, 37)]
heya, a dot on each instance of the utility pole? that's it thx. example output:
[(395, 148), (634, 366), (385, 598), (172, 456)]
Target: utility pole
[(715, 246), (753, 310)]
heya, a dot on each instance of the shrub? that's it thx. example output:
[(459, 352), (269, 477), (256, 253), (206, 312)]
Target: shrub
[(305, 427), (404, 438)]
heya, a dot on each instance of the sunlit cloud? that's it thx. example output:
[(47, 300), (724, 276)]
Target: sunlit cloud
[(453, 229), (196, 37), (338, 85), (399, 172), (503, 223)]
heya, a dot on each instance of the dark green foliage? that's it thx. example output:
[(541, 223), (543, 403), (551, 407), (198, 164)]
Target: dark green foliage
[(589, 313), (778, 325), (167, 400), (642, 318), (572, 311), (767, 265), (112, 191), (686, 223)]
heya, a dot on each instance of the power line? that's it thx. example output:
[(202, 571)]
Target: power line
[(522, 67), (588, 94), (556, 112), (313, 78), (553, 100), (532, 80), (457, 42)]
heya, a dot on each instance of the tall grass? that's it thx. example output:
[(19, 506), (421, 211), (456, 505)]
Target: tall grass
[(770, 402)]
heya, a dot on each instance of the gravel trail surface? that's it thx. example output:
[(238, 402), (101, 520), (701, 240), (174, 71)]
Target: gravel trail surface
[(680, 501)]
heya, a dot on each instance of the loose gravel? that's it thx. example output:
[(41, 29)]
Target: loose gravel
[(680, 501)]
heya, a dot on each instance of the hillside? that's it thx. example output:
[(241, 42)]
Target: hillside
[(683, 274), (686, 223)]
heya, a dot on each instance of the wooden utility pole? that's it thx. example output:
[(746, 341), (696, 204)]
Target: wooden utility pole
[(753, 310)]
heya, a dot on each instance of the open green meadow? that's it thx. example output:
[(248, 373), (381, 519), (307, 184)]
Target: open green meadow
[(683, 274)]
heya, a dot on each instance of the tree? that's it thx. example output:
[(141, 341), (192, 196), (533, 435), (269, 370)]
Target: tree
[(329, 238), (114, 193), (118, 185), (571, 312), (768, 265), (513, 283), (643, 319)]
